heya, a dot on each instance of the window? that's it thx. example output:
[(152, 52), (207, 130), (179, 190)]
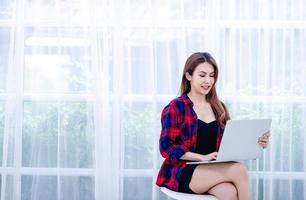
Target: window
[(83, 84)]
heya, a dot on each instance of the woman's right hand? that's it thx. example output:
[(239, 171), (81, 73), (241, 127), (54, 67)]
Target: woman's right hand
[(211, 156), (191, 156)]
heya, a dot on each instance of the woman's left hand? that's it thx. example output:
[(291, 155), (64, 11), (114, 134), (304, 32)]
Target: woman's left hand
[(263, 141)]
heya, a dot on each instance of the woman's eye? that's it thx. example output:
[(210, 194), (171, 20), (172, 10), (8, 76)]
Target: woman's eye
[(202, 75)]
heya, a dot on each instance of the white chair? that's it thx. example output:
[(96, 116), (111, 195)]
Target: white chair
[(186, 196)]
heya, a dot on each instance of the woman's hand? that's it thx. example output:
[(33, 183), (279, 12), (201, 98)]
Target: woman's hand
[(263, 141), (211, 156), (191, 156)]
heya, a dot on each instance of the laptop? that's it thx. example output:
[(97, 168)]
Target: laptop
[(240, 140)]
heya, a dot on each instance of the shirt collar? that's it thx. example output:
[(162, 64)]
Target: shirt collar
[(186, 99)]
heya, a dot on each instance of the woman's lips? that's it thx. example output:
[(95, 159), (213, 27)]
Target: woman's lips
[(206, 87)]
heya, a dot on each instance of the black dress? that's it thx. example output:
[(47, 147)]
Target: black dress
[(206, 143)]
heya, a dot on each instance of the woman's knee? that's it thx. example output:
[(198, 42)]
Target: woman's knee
[(238, 170)]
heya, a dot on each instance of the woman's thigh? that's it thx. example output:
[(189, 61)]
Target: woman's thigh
[(208, 175)]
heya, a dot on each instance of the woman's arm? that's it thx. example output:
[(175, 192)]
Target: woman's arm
[(171, 133), (199, 157)]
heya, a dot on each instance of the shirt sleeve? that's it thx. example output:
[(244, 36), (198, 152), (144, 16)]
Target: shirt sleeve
[(170, 145)]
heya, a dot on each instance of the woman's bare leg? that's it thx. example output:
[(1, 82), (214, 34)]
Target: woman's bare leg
[(224, 191), (205, 177)]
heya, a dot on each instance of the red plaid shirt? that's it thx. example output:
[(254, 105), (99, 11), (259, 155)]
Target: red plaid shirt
[(178, 136)]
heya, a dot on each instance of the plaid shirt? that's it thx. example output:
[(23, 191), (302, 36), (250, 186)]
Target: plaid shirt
[(178, 136)]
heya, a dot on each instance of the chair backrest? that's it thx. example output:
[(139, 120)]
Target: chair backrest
[(186, 196)]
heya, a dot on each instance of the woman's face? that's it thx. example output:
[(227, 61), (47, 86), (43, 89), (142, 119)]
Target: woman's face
[(202, 79)]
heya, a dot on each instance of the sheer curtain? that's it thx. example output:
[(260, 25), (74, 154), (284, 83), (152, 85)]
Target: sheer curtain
[(82, 85)]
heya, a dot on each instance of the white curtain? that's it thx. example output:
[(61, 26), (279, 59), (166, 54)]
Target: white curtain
[(83, 82)]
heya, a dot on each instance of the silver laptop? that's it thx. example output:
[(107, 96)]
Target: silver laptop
[(240, 140)]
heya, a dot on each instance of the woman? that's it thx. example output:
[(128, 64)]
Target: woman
[(192, 127)]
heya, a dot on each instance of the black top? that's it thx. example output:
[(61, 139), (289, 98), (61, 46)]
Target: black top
[(206, 143), (206, 137)]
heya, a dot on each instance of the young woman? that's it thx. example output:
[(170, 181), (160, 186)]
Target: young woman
[(192, 127)]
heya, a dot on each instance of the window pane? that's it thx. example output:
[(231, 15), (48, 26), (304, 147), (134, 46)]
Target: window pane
[(275, 189), (138, 123), (6, 8), (137, 188), (298, 189), (284, 189), (9, 189), (195, 9), (40, 134), (39, 187), (138, 76), (4, 55), (137, 7), (298, 61), (165, 10), (160, 11), (41, 9), (57, 60), (168, 69), (44, 121), (77, 188), (1, 130), (248, 10), (76, 135), (72, 11)]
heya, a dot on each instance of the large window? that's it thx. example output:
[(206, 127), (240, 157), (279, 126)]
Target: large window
[(82, 85)]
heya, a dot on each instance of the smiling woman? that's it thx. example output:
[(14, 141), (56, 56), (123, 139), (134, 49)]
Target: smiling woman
[(182, 138)]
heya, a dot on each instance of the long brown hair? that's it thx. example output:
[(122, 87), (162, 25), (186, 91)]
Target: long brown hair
[(218, 107)]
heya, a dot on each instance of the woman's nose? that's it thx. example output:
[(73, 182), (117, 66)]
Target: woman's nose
[(207, 80)]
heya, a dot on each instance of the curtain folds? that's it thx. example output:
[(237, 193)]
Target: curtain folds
[(82, 85)]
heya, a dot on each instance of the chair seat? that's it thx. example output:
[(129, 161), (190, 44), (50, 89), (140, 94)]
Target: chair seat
[(186, 196)]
